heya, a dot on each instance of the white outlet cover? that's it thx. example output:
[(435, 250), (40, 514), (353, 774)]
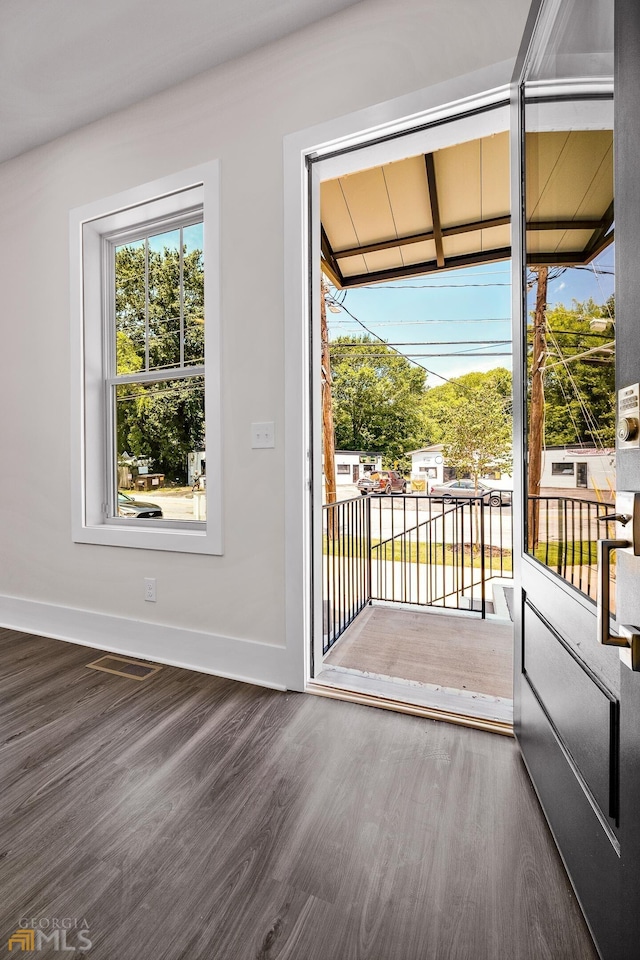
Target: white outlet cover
[(263, 435), (150, 589)]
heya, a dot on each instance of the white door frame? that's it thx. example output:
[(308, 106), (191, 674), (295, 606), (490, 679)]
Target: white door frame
[(365, 130)]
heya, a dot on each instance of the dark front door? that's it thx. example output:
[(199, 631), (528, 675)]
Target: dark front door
[(577, 701), (581, 475)]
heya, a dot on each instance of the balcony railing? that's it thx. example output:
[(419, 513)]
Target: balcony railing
[(416, 549), (563, 535), (411, 549), (346, 565)]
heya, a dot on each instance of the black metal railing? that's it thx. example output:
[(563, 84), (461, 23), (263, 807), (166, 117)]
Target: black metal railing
[(422, 550), (346, 535), (411, 549), (563, 532), (443, 554)]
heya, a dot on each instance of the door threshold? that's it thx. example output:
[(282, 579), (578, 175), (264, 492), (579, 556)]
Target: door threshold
[(477, 711)]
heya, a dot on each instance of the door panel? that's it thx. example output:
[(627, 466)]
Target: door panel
[(577, 705), (573, 616), (584, 713), (593, 864)]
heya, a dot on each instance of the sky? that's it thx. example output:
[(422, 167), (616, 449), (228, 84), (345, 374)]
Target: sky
[(444, 313)]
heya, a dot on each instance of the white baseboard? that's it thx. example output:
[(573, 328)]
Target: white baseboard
[(247, 660)]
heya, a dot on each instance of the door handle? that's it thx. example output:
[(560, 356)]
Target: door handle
[(628, 640), (622, 518)]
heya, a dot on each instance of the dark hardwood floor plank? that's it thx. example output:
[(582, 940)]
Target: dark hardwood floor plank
[(194, 817)]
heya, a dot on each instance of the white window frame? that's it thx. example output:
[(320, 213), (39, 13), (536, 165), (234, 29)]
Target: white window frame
[(91, 323)]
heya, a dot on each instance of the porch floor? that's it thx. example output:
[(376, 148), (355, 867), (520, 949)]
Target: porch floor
[(450, 651)]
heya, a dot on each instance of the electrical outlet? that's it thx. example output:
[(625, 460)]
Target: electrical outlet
[(150, 589), (263, 435)]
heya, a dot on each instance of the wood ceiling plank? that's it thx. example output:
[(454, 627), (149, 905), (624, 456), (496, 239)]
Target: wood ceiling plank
[(368, 203), (409, 196)]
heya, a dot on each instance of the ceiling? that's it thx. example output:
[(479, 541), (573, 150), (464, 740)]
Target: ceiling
[(428, 212), (65, 63), (451, 208)]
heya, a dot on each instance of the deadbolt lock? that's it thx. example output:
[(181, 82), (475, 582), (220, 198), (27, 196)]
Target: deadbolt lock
[(627, 425), (627, 429)]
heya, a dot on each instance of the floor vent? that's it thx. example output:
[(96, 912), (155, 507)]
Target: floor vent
[(125, 667)]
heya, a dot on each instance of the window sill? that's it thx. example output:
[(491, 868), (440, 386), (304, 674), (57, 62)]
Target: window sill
[(135, 535)]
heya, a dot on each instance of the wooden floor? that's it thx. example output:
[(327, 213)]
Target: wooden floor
[(190, 817), (451, 651)]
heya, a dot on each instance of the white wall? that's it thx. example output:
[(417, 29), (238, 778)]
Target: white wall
[(352, 460), (601, 469), (433, 460), (224, 614)]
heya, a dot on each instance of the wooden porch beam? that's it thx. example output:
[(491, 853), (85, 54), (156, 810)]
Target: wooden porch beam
[(430, 266), (422, 237), (435, 208)]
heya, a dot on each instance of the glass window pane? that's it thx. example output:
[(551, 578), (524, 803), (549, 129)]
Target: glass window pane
[(164, 300), (130, 306), (193, 294), (160, 449), (570, 331), (579, 44)]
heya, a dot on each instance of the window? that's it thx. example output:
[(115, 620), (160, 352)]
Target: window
[(146, 347), (562, 469), (431, 472), (343, 468)]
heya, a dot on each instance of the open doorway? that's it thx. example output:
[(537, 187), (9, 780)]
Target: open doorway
[(415, 400)]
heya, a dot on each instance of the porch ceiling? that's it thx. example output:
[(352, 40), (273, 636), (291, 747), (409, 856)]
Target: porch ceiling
[(451, 208)]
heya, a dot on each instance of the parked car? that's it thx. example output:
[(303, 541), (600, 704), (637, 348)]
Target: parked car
[(456, 489), (128, 507), (383, 481)]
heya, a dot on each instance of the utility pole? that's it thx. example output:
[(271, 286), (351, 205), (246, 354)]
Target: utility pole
[(328, 431), (536, 407)]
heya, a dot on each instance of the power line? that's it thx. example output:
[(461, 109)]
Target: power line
[(584, 333), (432, 373), (422, 343), (419, 322), (590, 421), (454, 353), (605, 347)]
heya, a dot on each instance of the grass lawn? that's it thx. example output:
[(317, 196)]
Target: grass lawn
[(420, 553), (571, 553)]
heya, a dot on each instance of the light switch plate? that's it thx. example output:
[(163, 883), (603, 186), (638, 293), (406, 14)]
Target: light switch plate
[(263, 435)]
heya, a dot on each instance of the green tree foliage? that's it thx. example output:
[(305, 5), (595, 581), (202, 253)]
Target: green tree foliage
[(472, 417), (438, 401), (579, 394), (377, 399), (164, 303), (162, 422)]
